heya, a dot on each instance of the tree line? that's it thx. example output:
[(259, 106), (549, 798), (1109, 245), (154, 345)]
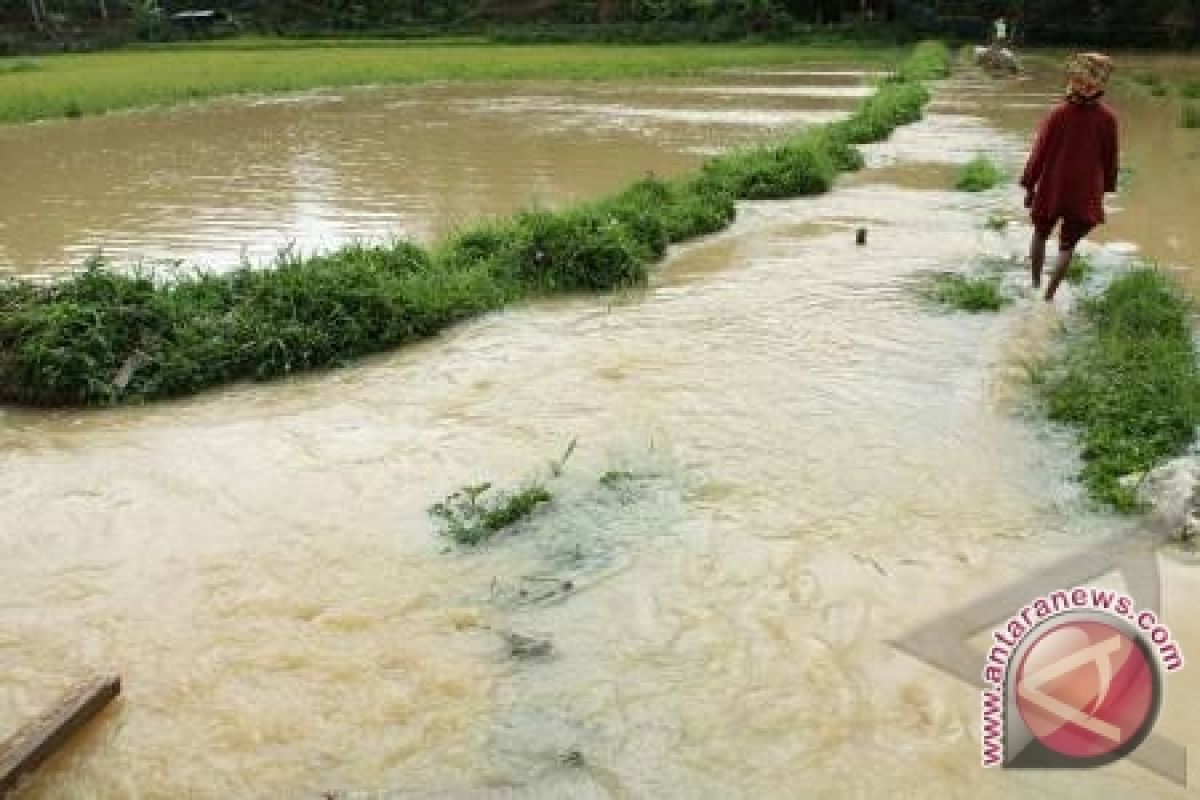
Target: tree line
[(1108, 22)]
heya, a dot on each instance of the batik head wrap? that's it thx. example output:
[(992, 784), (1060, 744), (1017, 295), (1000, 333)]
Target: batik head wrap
[(1087, 75)]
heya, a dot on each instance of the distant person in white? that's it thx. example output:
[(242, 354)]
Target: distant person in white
[(1001, 32)]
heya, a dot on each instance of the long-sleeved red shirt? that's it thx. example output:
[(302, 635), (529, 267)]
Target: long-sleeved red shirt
[(1073, 163)]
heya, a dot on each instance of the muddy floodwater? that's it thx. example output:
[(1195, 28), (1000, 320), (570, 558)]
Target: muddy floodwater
[(802, 463)]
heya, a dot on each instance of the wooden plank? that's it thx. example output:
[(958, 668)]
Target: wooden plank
[(38, 739)]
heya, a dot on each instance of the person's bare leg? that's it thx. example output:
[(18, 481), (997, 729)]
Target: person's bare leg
[(1037, 257), (1060, 272)]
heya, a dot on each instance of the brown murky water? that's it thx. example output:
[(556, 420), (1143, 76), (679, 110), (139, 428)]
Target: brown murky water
[(214, 183), (820, 464)]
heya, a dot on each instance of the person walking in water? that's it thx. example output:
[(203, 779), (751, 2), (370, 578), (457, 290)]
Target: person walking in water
[(1073, 163)]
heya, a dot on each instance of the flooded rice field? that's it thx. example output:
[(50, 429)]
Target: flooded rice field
[(803, 463), (217, 183)]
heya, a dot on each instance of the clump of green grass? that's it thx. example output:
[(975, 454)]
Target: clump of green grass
[(788, 170), (1160, 90), (892, 105), (616, 477), (658, 212), (1079, 269), (471, 516), (952, 290), (1190, 90), (979, 174), (105, 337), (1189, 117), (1128, 381)]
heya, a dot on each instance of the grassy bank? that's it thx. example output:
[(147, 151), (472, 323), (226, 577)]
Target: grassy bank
[(1128, 381), (104, 338), (81, 84)]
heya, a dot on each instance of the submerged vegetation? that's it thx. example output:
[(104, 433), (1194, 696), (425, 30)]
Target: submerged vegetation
[(103, 337), (471, 516), (1079, 269), (997, 221), (979, 174), (962, 293), (1128, 381)]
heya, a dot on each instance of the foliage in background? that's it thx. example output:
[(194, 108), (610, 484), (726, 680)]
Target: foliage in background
[(1112, 23)]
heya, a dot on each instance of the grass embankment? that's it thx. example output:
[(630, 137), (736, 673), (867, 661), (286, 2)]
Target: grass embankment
[(1128, 381), (92, 83), (104, 337)]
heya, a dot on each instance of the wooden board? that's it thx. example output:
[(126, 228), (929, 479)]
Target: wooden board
[(36, 741)]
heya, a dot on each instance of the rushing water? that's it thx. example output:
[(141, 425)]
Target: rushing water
[(818, 464)]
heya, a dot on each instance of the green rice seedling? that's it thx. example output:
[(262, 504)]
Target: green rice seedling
[(471, 516), (997, 221), (1189, 117), (1190, 90), (979, 174), (614, 478)]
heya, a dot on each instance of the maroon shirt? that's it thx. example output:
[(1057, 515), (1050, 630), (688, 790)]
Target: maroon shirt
[(1073, 163)]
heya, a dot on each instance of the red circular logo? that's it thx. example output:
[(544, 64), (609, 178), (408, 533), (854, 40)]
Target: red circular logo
[(1086, 689)]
